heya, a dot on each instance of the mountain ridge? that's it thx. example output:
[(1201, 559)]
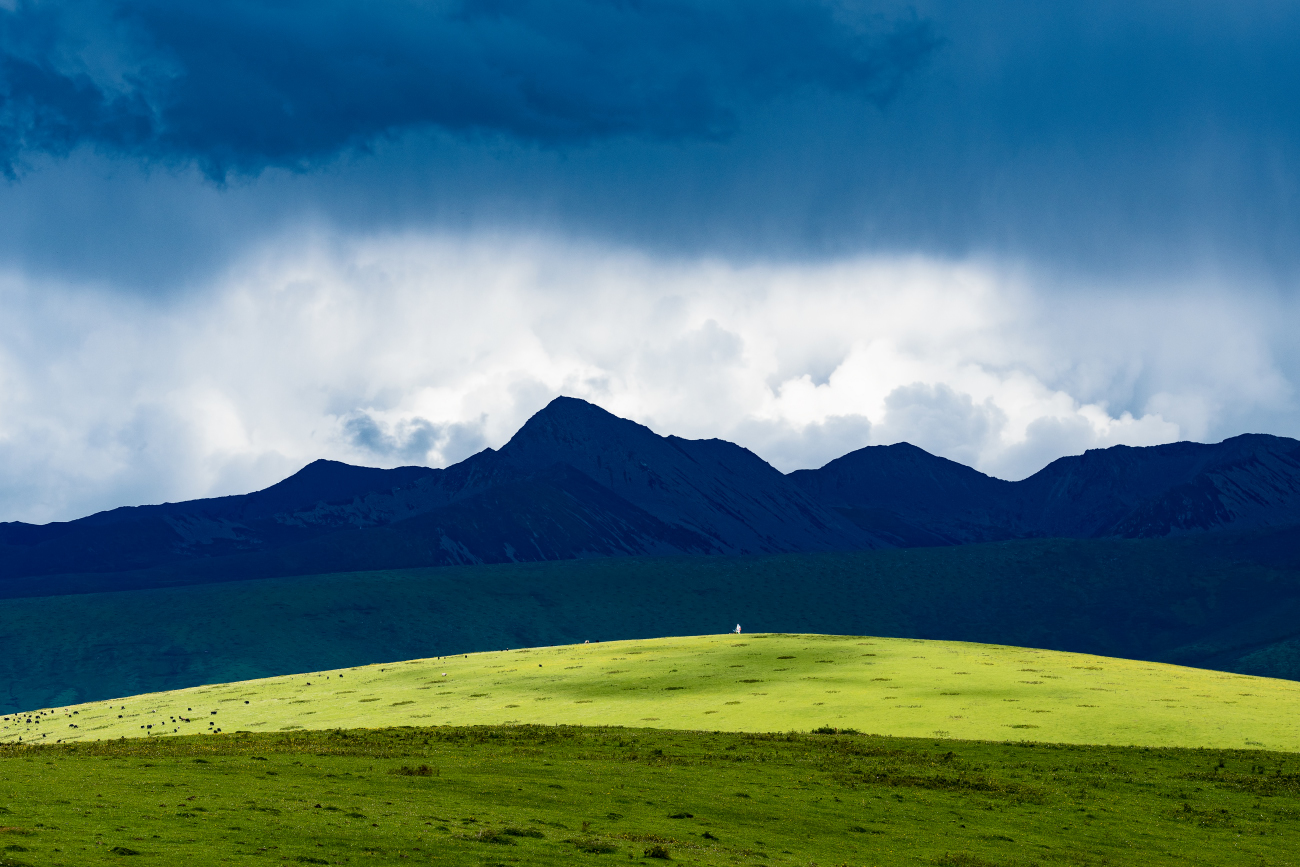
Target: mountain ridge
[(1251, 480), (576, 481)]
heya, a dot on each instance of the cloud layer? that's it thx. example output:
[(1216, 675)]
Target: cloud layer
[(1099, 138), (237, 235), (424, 349), (240, 85)]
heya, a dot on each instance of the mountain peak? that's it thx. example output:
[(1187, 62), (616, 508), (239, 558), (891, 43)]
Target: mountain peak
[(894, 475), (568, 423), (329, 481), (568, 411), (896, 458), (711, 487)]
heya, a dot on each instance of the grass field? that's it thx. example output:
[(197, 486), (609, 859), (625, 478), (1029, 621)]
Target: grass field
[(560, 795), (750, 683)]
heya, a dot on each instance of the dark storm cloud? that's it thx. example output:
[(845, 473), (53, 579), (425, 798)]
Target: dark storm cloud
[(246, 85), (1122, 139)]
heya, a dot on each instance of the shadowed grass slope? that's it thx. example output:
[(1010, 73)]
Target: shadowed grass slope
[(1230, 603), (755, 683)]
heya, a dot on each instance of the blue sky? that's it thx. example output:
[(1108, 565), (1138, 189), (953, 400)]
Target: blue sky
[(237, 236)]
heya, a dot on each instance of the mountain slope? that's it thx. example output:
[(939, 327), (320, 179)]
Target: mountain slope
[(1247, 481), (911, 497), (138, 537), (575, 481), (717, 489)]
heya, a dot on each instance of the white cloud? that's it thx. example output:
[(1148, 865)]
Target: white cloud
[(424, 348)]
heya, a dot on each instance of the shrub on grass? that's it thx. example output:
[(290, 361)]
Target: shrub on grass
[(657, 851), (592, 846), (523, 832), (421, 771), (122, 850)]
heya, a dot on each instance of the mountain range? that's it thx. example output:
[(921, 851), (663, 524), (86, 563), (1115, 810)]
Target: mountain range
[(586, 525), (578, 482), (913, 498)]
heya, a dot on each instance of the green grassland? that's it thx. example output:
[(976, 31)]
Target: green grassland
[(750, 683), (532, 795)]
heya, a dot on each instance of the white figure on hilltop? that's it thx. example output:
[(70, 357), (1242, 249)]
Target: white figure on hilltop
[(737, 629)]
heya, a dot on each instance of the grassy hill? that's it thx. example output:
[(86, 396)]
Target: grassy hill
[(1230, 603), (750, 683), (676, 749)]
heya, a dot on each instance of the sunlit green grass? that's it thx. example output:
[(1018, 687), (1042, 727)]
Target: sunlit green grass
[(563, 795), (750, 683)]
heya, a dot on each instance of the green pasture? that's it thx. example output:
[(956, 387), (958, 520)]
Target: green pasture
[(534, 795), (735, 683)]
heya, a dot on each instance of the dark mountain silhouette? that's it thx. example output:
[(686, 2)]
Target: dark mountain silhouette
[(574, 482), (577, 482), (135, 537), (912, 498), (725, 493), (1247, 481)]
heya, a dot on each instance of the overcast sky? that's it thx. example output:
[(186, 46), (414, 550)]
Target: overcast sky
[(237, 236)]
